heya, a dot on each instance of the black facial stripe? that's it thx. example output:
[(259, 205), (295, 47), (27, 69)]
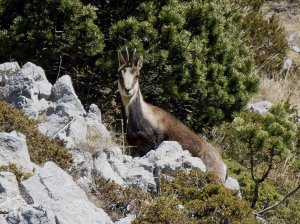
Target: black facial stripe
[(126, 65), (134, 82), (121, 80)]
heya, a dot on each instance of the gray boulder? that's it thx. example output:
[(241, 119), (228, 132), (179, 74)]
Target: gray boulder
[(10, 198), (260, 107), (82, 168), (26, 88), (13, 149), (170, 156), (234, 185), (63, 92), (140, 171), (18, 90), (42, 88), (53, 190), (13, 208), (97, 136), (7, 69)]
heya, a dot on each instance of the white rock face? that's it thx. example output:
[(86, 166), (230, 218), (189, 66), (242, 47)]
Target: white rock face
[(9, 192), (13, 149), (63, 92), (42, 88), (139, 171), (170, 156), (7, 69), (54, 190), (13, 207), (260, 107)]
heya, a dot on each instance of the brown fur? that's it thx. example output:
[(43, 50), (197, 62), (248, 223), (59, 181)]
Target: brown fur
[(148, 126), (175, 130)]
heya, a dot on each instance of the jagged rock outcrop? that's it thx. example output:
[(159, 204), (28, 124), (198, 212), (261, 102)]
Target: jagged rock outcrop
[(13, 149), (54, 191), (50, 195), (13, 208)]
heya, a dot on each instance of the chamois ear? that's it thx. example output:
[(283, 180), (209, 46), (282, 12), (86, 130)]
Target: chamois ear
[(122, 61), (140, 63)]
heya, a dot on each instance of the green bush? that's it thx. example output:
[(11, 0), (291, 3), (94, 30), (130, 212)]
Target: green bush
[(41, 148), (195, 198), (197, 64), (117, 200), (268, 194), (267, 38), (52, 33), (261, 143)]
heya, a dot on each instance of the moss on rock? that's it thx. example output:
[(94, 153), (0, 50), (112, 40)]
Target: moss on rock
[(40, 147)]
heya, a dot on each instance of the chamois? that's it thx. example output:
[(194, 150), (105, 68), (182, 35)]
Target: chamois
[(148, 125)]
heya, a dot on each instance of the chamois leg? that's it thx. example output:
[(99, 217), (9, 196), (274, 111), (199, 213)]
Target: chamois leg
[(149, 139)]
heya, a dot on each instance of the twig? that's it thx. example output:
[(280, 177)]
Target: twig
[(65, 126), (60, 62), (280, 202), (123, 136)]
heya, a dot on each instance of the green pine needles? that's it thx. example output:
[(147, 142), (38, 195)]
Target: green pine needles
[(197, 63)]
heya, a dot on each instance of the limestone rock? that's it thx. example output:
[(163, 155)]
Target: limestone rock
[(260, 107), (13, 208), (170, 156), (18, 90), (10, 197), (54, 190), (42, 88), (7, 69), (13, 149), (97, 136), (63, 92), (82, 168), (139, 171)]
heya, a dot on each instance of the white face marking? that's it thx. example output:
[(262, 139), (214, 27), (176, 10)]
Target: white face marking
[(127, 89)]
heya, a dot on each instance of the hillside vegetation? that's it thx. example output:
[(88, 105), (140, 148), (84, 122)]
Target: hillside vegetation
[(204, 61)]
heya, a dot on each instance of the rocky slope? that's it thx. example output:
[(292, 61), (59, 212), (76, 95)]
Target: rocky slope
[(50, 194)]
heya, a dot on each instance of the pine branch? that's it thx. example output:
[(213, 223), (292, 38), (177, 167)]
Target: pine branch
[(280, 202)]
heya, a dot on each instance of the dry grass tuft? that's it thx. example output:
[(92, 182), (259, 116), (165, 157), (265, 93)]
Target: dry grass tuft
[(274, 90)]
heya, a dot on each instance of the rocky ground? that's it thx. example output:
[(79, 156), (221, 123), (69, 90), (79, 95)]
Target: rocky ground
[(53, 195)]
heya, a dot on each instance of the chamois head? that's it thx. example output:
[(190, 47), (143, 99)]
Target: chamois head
[(128, 74)]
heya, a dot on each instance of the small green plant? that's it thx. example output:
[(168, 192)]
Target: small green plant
[(260, 142), (40, 147), (118, 200), (185, 198), (17, 171), (195, 197)]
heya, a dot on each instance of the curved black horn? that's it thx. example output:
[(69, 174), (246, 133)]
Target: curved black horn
[(133, 56), (127, 54)]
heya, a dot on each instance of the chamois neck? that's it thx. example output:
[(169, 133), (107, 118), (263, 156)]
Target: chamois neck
[(128, 100)]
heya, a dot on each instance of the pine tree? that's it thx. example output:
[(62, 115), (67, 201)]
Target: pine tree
[(49, 32), (197, 63)]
